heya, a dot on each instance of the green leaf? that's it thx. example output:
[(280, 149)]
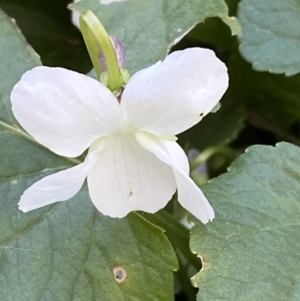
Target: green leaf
[(58, 43), (56, 9), (251, 250), (67, 251), (148, 28), (275, 97), (271, 35), (212, 33)]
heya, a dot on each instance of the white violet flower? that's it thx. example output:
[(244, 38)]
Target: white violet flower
[(133, 162)]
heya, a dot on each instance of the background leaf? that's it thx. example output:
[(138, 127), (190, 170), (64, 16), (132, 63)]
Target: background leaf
[(271, 35), (149, 27), (274, 97), (66, 251), (47, 27), (251, 250)]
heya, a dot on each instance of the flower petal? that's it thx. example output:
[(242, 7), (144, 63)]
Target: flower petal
[(189, 194), (127, 177), (60, 186), (171, 96), (64, 110), (177, 155)]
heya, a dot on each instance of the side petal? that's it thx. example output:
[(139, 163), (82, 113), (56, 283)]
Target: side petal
[(189, 194), (64, 110), (171, 96), (60, 186), (177, 155), (127, 177)]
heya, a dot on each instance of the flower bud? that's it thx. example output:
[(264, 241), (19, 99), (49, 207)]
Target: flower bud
[(120, 52)]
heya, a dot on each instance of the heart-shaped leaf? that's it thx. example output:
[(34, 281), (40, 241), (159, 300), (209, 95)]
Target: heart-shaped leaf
[(271, 35), (251, 250)]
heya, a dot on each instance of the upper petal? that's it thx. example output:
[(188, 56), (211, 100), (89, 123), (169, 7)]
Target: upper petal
[(171, 96), (64, 110), (189, 194), (127, 177)]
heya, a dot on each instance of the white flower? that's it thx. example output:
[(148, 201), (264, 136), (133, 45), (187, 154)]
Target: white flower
[(132, 163)]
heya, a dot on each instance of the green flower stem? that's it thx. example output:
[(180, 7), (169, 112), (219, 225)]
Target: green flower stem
[(97, 40), (211, 151), (179, 237), (176, 232)]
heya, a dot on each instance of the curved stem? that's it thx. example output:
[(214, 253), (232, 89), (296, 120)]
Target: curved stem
[(211, 151), (176, 232), (179, 237)]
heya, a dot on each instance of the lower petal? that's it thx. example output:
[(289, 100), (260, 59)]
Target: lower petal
[(189, 194), (127, 178)]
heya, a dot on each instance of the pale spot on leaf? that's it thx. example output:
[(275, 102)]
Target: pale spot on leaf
[(120, 274)]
